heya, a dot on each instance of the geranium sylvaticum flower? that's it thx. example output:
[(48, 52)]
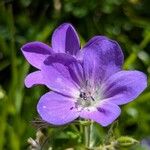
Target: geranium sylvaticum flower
[(92, 88), (64, 40)]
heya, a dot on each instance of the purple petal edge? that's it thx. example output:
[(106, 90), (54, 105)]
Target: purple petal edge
[(33, 79), (65, 40), (124, 86), (36, 53), (105, 113), (56, 109)]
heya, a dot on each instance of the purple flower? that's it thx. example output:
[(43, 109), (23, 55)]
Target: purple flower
[(146, 143), (64, 40), (92, 88)]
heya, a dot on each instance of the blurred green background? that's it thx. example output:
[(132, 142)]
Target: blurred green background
[(21, 21)]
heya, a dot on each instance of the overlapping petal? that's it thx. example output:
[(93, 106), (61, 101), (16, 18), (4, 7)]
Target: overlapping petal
[(36, 53), (57, 109), (62, 58), (76, 72), (101, 58), (125, 86), (65, 40), (105, 114), (57, 76)]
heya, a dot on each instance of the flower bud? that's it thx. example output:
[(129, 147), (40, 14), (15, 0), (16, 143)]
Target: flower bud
[(125, 141)]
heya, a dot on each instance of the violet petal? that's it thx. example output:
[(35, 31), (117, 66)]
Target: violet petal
[(65, 40), (77, 73), (34, 78), (124, 86), (101, 58), (105, 114), (36, 53), (57, 109), (62, 58), (57, 77)]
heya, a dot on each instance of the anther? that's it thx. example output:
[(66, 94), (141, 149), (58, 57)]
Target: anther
[(83, 95), (92, 98)]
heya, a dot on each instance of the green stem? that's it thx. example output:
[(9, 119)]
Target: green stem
[(87, 134)]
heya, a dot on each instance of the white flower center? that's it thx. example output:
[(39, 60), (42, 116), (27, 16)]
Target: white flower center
[(89, 98), (85, 99)]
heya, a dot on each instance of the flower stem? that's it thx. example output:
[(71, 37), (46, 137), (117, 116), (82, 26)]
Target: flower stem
[(87, 134)]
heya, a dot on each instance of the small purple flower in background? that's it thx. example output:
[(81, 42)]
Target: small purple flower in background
[(92, 88), (146, 143), (64, 40)]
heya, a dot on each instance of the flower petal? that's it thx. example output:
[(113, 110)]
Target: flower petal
[(57, 109), (57, 76), (33, 79), (73, 66), (36, 53), (65, 40), (124, 86), (101, 58), (76, 72), (105, 114), (62, 58)]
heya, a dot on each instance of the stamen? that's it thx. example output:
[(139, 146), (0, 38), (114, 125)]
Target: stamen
[(92, 98), (83, 95), (88, 97)]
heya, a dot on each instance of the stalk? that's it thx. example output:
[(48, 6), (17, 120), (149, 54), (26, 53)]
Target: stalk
[(87, 134)]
